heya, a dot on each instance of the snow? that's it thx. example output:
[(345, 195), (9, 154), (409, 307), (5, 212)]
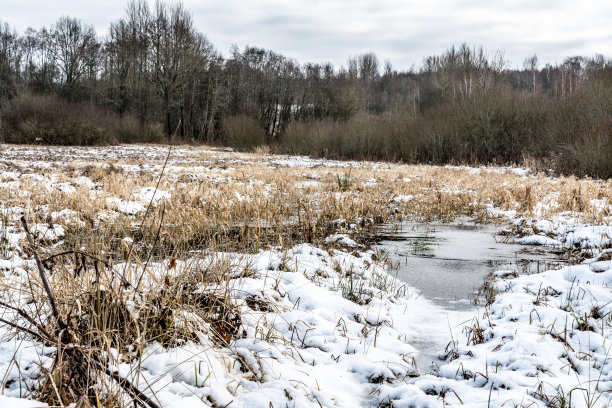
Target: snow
[(601, 266), (538, 240), (341, 239), (589, 236), (308, 184), (66, 188), (403, 198), (330, 326), (85, 182), (48, 232), (312, 336), (19, 403), (150, 194), (125, 207), (343, 353)]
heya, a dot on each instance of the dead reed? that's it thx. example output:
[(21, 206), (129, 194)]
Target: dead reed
[(134, 265)]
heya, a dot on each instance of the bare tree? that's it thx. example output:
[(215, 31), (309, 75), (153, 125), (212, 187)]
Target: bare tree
[(10, 62), (368, 66), (75, 51), (531, 64)]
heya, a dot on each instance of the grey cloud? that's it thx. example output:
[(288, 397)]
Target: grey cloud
[(333, 30)]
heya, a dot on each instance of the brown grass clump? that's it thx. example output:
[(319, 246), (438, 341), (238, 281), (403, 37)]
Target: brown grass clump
[(97, 316)]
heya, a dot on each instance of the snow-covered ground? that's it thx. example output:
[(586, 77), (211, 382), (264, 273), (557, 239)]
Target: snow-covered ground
[(329, 325), (544, 341)]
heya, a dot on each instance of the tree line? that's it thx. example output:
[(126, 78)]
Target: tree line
[(154, 72)]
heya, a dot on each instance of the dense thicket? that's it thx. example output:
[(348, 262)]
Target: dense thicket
[(154, 72)]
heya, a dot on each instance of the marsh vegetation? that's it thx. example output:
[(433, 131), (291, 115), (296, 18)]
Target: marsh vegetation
[(163, 261)]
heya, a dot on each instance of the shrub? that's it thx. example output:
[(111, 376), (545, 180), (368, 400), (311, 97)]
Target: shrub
[(364, 136), (51, 120), (589, 153), (499, 125), (242, 133), (131, 130)]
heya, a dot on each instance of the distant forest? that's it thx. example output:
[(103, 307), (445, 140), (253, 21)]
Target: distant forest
[(154, 73)]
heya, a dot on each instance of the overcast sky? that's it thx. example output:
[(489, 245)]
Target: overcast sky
[(401, 31)]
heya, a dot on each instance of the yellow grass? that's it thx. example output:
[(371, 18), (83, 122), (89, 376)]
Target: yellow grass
[(235, 201), (222, 201)]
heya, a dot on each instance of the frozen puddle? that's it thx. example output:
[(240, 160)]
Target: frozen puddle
[(447, 264)]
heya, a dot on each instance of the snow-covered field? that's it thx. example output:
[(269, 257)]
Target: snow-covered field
[(317, 318)]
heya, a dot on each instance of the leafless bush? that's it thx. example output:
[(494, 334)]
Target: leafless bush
[(130, 130), (52, 120), (243, 133)]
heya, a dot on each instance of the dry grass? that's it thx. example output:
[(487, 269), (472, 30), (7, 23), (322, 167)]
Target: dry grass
[(116, 293), (246, 201), (98, 316)]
